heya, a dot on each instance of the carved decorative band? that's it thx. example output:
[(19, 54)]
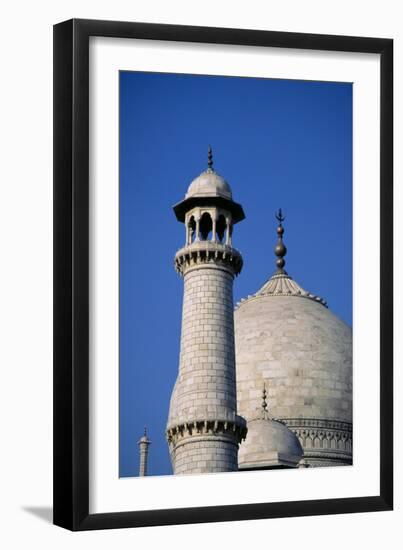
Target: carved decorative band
[(318, 423), (208, 253), (235, 428), (322, 436)]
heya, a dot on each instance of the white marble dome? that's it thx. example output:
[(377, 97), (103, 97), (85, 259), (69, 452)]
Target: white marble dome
[(269, 444), (209, 184), (289, 340)]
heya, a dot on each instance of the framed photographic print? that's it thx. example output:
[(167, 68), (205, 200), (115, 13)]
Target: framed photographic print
[(223, 274)]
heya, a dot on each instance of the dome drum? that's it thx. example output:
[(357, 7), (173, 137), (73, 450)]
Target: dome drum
[(325, 442)]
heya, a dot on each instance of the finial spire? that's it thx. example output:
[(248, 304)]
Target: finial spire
[(264, 395), (279, 216), (210, 158), (280, 250)]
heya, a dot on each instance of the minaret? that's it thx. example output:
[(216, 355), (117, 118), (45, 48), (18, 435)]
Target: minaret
[(203, 429), (143, 443)]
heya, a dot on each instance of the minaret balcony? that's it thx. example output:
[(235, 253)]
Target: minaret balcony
[(207, 426), (208, 253)]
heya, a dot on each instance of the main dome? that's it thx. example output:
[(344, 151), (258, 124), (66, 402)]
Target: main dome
[(289, 339)]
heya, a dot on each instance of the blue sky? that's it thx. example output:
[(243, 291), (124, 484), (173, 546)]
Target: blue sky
[(279, 143)]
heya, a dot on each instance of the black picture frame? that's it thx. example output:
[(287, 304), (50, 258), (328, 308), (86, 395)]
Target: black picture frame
[(71, 274)]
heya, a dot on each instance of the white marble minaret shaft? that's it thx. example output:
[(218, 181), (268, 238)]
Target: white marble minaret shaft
[(204, 430)]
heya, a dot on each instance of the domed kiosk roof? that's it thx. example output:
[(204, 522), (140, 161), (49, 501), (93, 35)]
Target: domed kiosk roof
[(209, 188), (269, 443), (209, 184), (144, 437)]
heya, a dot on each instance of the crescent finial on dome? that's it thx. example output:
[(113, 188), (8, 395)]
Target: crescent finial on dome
[(280, 249)]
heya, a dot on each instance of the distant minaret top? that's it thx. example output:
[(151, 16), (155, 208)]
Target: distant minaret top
[(143, 443), (144, 438)]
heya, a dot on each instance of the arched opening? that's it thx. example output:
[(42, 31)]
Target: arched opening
[(191, 230), (229, 232), (206, 226), (220, 227)]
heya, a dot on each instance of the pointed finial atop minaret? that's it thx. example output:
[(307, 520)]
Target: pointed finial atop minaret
[(210, 158), (280, 249)]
